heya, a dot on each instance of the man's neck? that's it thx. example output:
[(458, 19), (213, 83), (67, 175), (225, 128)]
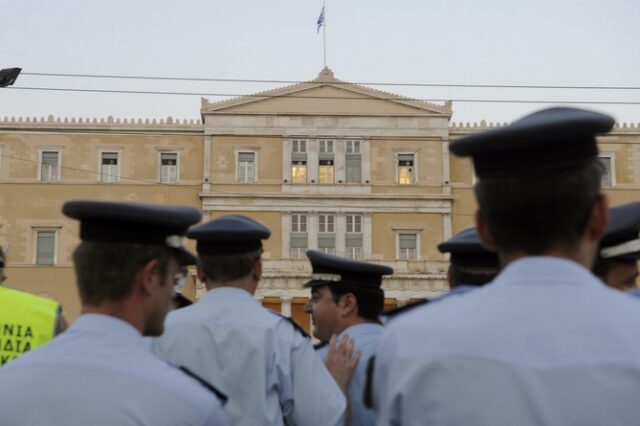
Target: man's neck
[(119, 310), (247, 284), (583, 254)]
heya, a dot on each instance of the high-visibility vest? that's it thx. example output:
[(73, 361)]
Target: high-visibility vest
[(26, 322)]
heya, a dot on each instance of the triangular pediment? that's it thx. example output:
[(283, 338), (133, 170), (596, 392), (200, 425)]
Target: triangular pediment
[(326, 96)]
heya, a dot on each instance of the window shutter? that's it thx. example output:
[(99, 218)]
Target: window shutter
[(298, 240), (407, 241), (45, 248)]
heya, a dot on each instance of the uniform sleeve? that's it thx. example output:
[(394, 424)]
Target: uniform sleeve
[(309, 395)]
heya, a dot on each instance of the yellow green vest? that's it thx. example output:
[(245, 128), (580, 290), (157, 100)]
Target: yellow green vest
[(26, 322)]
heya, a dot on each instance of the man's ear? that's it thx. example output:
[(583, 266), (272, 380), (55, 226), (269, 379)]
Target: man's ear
[(200, 274), (145, 281), (257, 269), (348, 304), (598, 219), (484, 233)]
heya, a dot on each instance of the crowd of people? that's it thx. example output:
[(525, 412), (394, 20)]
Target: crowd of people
[(538, 328)]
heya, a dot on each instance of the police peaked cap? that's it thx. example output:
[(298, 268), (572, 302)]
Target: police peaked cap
[(334, 270), (134, 223), (467, 249), (229, 235), (622, 238), (548, 139)]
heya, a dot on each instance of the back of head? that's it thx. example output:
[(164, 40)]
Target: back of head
[(228, 247), (539, 178), (471, 262), (537, 212)]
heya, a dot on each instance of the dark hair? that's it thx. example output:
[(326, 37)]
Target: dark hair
[(603, 266), (105, 271), (471, 275), (370, 300), (541, 210), (221, 269)]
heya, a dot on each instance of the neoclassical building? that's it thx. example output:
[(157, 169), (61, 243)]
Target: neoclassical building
[(325, 164)]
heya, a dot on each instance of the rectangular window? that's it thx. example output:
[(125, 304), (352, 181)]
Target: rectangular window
[(299, 238), (607, 171), (45, 247), (299, 171), (325, 171), (109, 167), (354, 224), (325, 146), (49, 166), (406, 169), (246, 167), (353, 237), (407, 246), (298, 223), (326, 223), (326, 233), (168, 167), (353, 147), (299, 146)]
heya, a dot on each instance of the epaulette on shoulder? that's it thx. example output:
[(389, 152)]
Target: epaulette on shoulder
[(320, 345), (293, 323), (221, 396), (394, 313)]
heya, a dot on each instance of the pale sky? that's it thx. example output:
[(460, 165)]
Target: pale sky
[(495, 42)]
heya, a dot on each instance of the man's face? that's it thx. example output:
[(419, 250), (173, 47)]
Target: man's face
[(162, 300), (325, 313), (622, 276)]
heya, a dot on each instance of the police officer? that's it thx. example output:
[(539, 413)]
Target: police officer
[(100, 371), (28, 321), (346, 299), (545, 342), (471, 264), (260, 359), (617, 263)]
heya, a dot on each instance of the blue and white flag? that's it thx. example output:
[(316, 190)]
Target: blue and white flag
[(320, 22)]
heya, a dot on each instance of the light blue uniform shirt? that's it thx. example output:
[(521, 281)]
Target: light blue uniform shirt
[(100, 372), (266, 367), (366, 338), (546, 343)]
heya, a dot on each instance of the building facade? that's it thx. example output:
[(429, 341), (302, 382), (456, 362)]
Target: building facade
[(326, 165)]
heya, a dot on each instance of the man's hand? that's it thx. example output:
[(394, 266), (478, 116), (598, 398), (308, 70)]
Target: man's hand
[(341, 361)]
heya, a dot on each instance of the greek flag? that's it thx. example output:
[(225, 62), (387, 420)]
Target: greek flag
[(320, 22)]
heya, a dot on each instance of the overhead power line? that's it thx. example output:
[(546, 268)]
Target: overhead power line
[(297, 96), (240, 80)]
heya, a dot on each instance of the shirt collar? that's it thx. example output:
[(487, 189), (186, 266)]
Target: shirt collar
[(226, 294), (106, 324), (546, 270), (361, 329)]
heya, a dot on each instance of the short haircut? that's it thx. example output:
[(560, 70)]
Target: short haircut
[(603, 266), (471, 275), (105, 271), (221, 269), (370, 299), (538, 211)]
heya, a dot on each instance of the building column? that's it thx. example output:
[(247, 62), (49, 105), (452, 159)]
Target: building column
[(285, 306), (206, 158), (446, 167), (312, 161), (341, 232), (286, 235), (286, 160), (339, 162), (312, 230), (365, 158), (367, 235)]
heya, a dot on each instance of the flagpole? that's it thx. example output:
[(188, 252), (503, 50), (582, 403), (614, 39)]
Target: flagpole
[(324, 36)]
